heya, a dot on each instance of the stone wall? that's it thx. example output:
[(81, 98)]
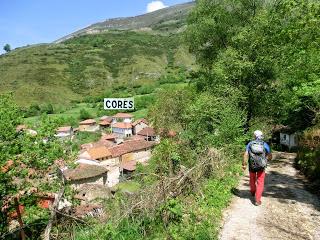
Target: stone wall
[(100, 180), (110, 162), (113, 176)]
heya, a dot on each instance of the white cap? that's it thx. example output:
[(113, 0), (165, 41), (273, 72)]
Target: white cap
[(258, 134)]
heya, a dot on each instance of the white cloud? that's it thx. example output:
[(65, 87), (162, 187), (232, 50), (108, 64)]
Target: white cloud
[(155, 5)]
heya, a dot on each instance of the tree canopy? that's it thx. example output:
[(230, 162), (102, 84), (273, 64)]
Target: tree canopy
[(267, 50), (7, 48)]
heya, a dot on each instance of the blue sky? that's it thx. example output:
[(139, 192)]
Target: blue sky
[(25, 22)]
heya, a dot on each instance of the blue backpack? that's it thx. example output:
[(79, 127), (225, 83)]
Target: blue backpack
[(257, 156)]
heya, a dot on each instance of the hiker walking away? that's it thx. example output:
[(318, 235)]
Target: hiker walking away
[(257, 155)]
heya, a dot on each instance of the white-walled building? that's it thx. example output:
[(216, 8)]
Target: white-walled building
[(289, 139), (122, 117), (122, 129)]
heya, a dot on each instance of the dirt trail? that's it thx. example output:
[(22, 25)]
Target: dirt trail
[(288, 211)]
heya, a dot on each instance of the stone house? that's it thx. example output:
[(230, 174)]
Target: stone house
[(138, 125), (109, 137), (103, 166), (86, 174), (65, 132), (128, 167), (89, 125), (148, 133), (101, 156), (98, 153), (105, 123), (139, 150), (106, 118), (91, 192), (102, 142)]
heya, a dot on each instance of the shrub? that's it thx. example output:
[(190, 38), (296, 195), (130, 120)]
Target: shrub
[(84, 114), (308, 158)]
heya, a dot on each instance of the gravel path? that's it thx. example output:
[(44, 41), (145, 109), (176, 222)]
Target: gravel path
[(288, 210)]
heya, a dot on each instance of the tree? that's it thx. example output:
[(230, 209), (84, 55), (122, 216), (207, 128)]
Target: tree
[(269, 51), (7, 48), (212, 24), (9, 147), (84, 114), (48, 109)]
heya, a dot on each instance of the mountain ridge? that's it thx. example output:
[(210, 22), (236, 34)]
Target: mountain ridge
[(153, 21)]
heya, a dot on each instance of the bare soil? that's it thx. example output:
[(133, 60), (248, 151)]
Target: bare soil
[(288, 210)]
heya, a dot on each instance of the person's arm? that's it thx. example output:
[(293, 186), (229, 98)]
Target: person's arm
[(269, 156), (268, 151), (245, 158)]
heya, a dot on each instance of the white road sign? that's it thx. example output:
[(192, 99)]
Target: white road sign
[(119, 103)]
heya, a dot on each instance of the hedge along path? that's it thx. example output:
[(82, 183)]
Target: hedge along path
[(288, 210)]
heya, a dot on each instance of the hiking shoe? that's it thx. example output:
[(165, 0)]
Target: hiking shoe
[(257, 203)]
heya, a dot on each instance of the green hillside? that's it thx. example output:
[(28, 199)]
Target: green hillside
[(167, 20), (89, 65)]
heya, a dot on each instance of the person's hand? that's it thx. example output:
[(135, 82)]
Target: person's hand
[(244, 166)]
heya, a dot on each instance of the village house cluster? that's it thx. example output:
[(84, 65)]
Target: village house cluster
[(101, 165)]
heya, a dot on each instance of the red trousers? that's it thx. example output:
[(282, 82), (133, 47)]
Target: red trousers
[(257, 184)]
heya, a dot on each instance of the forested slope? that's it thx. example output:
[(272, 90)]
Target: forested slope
[(89, 65)]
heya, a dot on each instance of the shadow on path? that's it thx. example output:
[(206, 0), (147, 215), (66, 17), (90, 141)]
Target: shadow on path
[(286, 188)]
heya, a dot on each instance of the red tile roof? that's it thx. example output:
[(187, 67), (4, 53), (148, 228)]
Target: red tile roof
[(100, 143), (148, 131), (130, 146), (64, 129), (122, 125), (108, 136), (136, 137), (99, 152), (88, 122), (105, 122), (82, 210), (140, 121), (130, 165), (84, 171), (106, 118), (123, 115)]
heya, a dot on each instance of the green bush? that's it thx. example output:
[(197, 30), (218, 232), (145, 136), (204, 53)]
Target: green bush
[(48, 109), (84, 114), (308, 161), (145, 89), (308, 158)]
